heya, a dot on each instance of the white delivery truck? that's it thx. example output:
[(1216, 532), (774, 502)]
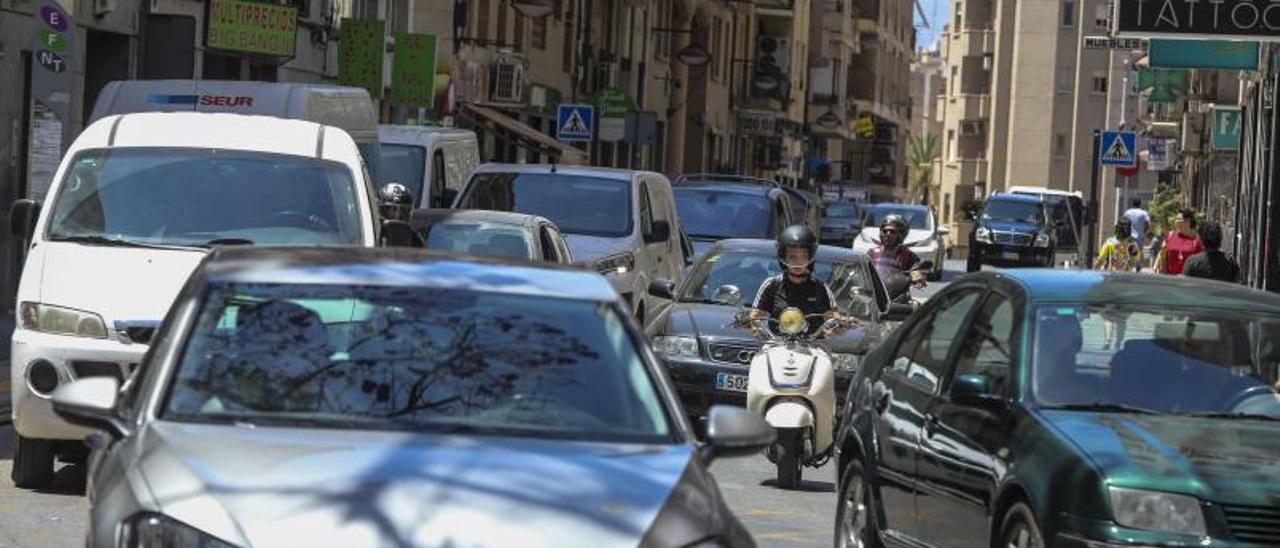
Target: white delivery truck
[(433, 162), (347, 108), (135, 205)]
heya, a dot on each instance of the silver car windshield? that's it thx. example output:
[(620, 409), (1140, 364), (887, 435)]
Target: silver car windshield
[(1166, 360), (422, 360), (197, 197)]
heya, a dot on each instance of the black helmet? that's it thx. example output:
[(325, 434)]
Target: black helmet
[(797, 236), (396, 202), (896, 220)]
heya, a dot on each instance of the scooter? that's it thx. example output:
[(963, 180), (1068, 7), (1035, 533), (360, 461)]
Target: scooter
[(792, 385)]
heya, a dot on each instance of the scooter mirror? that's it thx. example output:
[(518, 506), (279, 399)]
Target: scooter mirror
[(727, 295), (735, 432)]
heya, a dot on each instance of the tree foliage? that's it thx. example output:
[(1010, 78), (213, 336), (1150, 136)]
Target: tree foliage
[(922, 153)]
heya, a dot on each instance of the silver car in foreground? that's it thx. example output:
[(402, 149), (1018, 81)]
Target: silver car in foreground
[(379, 397)]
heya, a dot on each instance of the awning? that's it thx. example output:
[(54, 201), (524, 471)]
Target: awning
[(541, 142)]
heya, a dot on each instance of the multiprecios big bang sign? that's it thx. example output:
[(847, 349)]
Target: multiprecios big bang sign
[(251, 27), (1251, 19)]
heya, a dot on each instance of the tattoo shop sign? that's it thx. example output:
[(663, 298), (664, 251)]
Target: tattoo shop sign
[(1242, 19)]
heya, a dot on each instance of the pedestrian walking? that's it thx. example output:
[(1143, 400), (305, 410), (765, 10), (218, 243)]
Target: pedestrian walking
[(1140, 223), (1179, 245), (1119, 254), (1212, 263)]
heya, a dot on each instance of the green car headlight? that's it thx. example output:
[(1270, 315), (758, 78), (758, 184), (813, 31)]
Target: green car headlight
[(1157, 511), (676, 347)]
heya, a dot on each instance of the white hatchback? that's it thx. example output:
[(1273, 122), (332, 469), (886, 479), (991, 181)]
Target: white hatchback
[(135, 205)]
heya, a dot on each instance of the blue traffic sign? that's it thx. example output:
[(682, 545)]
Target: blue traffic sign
[(575, 123), (1119, 149)]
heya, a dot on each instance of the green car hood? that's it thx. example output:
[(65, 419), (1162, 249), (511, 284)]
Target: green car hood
[(1228, 461)]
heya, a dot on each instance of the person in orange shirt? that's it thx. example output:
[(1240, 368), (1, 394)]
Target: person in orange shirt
[(1179, 245)]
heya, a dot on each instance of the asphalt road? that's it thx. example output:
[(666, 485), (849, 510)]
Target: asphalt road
[(57, 516)]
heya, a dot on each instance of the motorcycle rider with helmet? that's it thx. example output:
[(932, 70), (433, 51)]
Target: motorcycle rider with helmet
[(396, 202), (892, 258), (796, 286)]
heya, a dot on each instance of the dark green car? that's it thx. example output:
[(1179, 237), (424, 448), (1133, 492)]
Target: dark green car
[(1053, 408)]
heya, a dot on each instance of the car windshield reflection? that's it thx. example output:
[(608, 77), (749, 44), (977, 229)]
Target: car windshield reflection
[(432, 360), (748, 271), (1157, 360)]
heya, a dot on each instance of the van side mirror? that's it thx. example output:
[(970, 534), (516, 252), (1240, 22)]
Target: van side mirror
[(22, 218), (659, 231), (397, 233)]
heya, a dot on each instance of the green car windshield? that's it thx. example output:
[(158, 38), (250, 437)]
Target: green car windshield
[(1166, 360)]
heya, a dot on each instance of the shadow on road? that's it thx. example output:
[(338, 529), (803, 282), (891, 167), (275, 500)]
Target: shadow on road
[(806, 486)]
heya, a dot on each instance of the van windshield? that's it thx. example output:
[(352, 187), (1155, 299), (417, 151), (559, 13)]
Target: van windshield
[(203, 197), (590, 206), (404, 164)]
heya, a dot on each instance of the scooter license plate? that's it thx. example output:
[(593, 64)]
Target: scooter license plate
[(731, 382)]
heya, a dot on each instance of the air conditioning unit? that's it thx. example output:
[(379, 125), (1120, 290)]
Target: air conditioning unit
[(774, 51), (971, 127), (103, 7), (508, 81)]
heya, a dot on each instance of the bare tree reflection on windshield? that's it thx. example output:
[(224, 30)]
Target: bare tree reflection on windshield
[(415, 359)]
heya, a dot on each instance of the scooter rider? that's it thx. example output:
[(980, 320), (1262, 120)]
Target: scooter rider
[(396, 202), (795, 287), (891, 257)]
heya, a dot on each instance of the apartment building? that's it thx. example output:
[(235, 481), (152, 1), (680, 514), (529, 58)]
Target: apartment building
[(928, 91), (879, 82), (1024, 97)]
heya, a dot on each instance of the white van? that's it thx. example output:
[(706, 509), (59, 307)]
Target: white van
[(434, 162), (136, 203), (347, 108)]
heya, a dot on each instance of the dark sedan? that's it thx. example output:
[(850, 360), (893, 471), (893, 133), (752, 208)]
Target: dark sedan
[(1043, 408), (693, 338), (492, 234)]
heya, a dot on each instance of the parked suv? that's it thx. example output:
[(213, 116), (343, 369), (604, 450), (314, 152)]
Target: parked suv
[(714, 210), (1012, 230), (623, 222)]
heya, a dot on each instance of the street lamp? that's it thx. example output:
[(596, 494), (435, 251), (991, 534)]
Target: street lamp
[(534, 9), (693, 55), (829, 120), (762, 81)]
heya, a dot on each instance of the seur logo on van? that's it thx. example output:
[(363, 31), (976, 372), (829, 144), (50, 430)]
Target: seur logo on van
[(203, 100)]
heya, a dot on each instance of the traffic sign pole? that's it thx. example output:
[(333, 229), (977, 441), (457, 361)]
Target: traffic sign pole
[(1093, 200)]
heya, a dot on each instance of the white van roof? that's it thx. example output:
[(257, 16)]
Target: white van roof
[(422, 135), (347, 108), (220, 131), (1045, 190)]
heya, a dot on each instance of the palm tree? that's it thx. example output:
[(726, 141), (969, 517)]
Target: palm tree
[(921, 154)]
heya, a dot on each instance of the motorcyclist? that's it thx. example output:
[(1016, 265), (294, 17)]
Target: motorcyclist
[(396, 202), (891, 258), (796, 287)]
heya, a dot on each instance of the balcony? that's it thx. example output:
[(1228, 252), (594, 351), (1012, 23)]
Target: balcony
[(972, 106), (974, 42)]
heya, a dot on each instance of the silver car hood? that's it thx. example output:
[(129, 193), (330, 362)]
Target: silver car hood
[(296, 487)]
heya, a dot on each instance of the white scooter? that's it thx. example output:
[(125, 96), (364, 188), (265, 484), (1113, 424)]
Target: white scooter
[(792, 385)]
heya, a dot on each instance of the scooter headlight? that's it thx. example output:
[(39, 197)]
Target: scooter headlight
[(791, 322)]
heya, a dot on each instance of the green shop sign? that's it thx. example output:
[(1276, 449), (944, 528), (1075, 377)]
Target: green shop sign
[(413, 70), (251, 27), (613, 103), (361, 45), (1226, 128)]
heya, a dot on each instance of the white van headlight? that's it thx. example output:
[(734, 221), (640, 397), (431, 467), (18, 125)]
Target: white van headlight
[(59, 320)]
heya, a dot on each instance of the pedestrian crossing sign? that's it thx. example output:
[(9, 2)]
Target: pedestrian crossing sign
[(575, 123), (1119, 149)]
